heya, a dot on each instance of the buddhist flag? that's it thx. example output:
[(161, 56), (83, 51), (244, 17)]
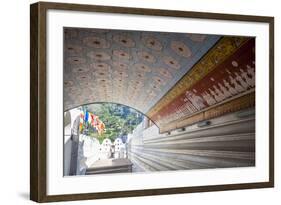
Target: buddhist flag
[(100, 127), (81, 123), (90, 118), (86, 116), (93, 120)]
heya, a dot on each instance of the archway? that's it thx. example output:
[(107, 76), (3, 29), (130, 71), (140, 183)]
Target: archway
[(86, 148)]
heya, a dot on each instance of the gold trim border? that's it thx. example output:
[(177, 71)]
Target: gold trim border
[(218, 54)]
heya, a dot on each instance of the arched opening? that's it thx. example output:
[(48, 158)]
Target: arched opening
[(90, 149)]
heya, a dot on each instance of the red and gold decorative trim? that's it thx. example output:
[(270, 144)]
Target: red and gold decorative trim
[(215, 80), (221, 51)]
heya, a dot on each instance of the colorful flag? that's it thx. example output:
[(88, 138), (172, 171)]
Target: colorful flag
[(100, 127), (81, 126), (81, 123), (90, 118), (86, 116), (93, 120)]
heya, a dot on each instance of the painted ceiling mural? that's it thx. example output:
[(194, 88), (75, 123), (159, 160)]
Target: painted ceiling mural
[(134, 68)]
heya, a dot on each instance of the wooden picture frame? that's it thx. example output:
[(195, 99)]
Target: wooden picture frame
[(39, 95)]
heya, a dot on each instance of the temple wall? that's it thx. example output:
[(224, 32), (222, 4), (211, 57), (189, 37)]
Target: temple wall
[(227, 141)]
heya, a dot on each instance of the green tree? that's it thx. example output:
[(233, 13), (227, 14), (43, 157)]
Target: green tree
[(119, 120)]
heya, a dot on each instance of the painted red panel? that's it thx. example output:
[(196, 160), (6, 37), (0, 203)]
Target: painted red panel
[(236, 75)]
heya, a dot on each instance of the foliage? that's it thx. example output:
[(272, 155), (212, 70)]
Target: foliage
[(119, 120)]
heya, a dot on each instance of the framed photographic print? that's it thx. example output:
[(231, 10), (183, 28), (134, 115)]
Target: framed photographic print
[(133, 102)]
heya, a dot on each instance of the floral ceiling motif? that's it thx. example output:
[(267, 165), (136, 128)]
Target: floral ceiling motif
[(134, 68)]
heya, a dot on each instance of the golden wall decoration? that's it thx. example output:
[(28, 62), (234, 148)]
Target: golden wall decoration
[(220, 52)]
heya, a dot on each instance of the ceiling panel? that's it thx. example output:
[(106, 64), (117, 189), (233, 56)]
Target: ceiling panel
[(134, 68)]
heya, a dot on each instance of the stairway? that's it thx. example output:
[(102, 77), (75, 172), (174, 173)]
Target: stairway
[(107, 166)]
